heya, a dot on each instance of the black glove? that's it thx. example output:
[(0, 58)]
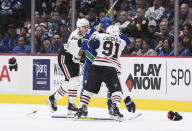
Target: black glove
[(131, 107), (174, 116)]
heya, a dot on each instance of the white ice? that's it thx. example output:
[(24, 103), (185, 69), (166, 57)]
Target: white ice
[(17, 117)]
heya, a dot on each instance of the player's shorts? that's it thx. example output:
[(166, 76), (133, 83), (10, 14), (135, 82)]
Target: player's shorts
[(99, 74), (68, 67)]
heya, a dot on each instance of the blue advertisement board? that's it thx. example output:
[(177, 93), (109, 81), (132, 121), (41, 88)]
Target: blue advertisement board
[(41, 74)]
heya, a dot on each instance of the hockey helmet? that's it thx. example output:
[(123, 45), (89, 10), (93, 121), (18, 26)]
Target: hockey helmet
[(113, 30), (105, 22), (82, 22)]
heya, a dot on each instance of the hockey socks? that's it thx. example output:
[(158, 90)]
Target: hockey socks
[(116, 101), (85, 98), (72, 89), (61, 91), (84, 101), (116, 98)]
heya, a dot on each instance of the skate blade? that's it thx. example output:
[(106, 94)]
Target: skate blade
[(71, 113), (117, 118)]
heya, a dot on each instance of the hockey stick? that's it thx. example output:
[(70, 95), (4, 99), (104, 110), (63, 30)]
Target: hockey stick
[(96, 118), (111, 8)]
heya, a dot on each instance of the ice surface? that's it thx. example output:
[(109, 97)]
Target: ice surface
[(17, 117)]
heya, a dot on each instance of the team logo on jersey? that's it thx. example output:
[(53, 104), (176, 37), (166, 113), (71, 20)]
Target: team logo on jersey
[(144, 79), (41, 74)]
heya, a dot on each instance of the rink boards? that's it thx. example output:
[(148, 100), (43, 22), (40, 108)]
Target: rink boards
[(155, 83)]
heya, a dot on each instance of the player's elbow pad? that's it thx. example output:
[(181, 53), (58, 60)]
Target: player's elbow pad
[(130, 105)]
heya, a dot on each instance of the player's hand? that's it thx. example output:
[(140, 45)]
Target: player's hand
[(130, 105)]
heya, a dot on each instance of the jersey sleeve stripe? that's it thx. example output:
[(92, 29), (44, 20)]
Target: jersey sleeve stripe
[(66, 72)]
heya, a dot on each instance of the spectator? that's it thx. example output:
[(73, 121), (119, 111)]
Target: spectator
[(83, 9), (62, 7), (24, 32), (139, 4), (38, 18), (22, 47), (186, 36), (55, 22), (55, 18), (182, 49), (39, 36), (146, 49), (99, 5), (137, 46), (101, 15), (92, 17), (169, 13), (185, 15), (54, 29), (155, 12), (124, 5), (163, 34), (123, 20), (46, 47), (138, 26), (10, 11), (166, 49), (57, 43), (64, 33), (150, 34), (44, 6), (10, 40)]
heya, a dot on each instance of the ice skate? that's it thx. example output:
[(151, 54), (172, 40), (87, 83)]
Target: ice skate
[(81, 112), (51, 102), (72, 109), (116, 114)]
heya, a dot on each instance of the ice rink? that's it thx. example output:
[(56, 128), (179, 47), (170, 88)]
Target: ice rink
[(18, 117)]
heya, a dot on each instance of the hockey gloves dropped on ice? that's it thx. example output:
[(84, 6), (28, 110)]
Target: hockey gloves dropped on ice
[(130, 105), (174, 116)]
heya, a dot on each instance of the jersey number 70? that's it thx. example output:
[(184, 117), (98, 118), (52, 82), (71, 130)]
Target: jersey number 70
[(108, 49)]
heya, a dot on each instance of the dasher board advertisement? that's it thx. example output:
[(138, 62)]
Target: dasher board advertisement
[(157, 77)]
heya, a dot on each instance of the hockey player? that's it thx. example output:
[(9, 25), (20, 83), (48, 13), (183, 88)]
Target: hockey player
[(104, 69), (68, 60), (90, 54)]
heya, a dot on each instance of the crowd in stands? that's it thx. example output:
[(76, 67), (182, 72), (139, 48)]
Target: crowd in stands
[(148, 23)]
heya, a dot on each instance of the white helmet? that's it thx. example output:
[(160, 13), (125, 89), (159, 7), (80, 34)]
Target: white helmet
[(113, 30), (82, 22)]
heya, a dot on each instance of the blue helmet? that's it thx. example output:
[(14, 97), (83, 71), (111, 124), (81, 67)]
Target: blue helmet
[(105, 22)]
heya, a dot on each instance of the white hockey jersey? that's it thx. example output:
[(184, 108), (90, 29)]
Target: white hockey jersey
[(72, 44), (154, 14), (109, 50)]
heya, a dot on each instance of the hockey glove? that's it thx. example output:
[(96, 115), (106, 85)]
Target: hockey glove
[(174, 116), (130, 105)]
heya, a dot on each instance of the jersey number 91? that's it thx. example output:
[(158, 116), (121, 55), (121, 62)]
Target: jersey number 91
[(110, 49)]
